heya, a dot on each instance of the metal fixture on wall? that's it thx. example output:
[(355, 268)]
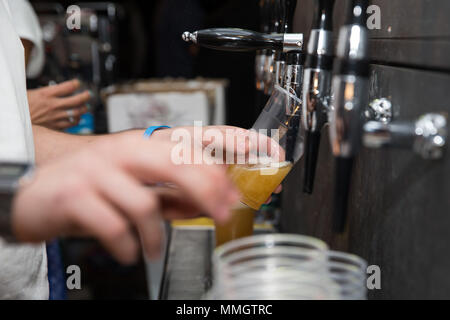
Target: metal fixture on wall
[(317, 86), (426, 136), (350, 90)]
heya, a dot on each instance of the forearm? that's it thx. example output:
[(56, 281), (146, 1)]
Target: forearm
[(50, 144)]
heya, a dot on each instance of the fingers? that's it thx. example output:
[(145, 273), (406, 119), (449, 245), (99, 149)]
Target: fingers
[(63, 124), (138, 204), (262, 144), (175, 204), (73, 101), (230, 139), (242, 142), (64, 88), (74, 112), (278, 189), (207, 186), (101, 220)]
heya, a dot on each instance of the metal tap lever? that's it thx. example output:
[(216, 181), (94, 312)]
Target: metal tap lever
[(286, 11), (317, 86), (265, 10), (427, 136), (230, 39), (293, 78), (350, 97)]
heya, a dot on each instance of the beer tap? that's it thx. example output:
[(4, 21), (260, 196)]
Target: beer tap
[(238, 40), (426, 136), (317, 86), (350, 90), (293, 78), (278, 40), (270, 63), (260, 59), (286, 11)]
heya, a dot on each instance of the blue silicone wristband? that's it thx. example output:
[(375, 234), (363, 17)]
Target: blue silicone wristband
[(152, 129)]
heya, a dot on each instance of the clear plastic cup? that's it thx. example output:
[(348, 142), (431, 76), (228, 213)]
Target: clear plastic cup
[(275, 144)]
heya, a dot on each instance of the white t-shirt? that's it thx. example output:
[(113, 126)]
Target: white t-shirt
[(28, 27), (23, 268)]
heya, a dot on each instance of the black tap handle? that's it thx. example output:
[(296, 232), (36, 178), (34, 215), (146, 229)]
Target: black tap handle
[(343, 176), (290, 6), (278, 16), (312, 144), (323, 15), (264, 15), (286, 15), (230, 39)]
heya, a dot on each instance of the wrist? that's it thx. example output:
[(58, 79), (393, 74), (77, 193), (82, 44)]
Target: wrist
[(161, 134), (12, 176), (154, 130)]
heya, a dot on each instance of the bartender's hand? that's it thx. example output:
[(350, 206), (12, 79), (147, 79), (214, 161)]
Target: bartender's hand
[(235, 141), (56, 107), (100, 191), (252, 142)]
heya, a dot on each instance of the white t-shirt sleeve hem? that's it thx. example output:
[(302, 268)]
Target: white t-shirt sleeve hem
[(28, 27)]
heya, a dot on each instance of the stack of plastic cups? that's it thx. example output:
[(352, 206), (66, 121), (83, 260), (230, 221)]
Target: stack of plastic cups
[(349, 272), (285, 267)]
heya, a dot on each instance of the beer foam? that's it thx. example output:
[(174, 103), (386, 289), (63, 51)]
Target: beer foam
[(268, 166)]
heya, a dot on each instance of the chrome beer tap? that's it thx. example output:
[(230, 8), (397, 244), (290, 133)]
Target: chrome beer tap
[(293, 78), (270, 61), (260, 58), (286, 11), (350, 90), (295, 59), (426, 136), (317, 86)]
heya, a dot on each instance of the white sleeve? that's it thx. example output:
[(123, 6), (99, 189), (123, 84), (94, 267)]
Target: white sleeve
[(27, 26)]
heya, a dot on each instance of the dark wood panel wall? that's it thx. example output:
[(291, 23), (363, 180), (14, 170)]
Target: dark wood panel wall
[(399, 215), (413, 32)]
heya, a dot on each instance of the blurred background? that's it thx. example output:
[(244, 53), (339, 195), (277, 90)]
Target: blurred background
[(122, 41)]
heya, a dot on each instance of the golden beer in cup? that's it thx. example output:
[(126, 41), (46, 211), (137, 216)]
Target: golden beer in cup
[(257, 182), (240, 225)]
